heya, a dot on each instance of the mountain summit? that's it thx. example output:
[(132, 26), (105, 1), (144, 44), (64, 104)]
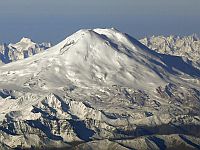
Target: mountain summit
[(100, 57), (26, 40), (100, 87)]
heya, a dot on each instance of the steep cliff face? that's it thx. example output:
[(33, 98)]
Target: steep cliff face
[(100, 89), (21, 50)]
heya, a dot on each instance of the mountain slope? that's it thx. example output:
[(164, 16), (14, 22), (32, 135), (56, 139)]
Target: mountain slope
[(90, 58), (99, 86)]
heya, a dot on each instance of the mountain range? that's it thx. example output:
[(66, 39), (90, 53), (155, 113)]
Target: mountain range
[(186, 46), (100, 89)]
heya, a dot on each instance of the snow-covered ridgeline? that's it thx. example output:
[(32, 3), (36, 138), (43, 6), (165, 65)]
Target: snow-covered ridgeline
[(187, 46), (20, 50)]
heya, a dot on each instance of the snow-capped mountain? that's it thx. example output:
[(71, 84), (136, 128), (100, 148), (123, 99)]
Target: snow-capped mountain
[(187, 46), (100, 89), (23, 49)]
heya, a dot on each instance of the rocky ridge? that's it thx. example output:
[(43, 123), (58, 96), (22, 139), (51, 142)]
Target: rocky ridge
[(20, 50), (187, 46)]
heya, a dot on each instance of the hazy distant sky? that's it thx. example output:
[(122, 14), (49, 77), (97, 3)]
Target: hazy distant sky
[(53, 20)]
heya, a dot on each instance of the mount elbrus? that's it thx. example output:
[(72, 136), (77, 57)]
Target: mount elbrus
[(100, 89)]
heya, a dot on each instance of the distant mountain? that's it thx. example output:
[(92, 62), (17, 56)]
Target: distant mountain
[(187, 46), (100, 89), (23, 49)]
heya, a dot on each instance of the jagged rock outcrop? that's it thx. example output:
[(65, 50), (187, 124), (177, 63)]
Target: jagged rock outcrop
[(21, 50)]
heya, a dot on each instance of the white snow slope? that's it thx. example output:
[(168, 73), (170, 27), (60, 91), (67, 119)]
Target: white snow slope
[(95, 84), (98, 57)]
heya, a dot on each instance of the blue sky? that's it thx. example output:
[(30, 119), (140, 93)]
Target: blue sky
[(53, 20)]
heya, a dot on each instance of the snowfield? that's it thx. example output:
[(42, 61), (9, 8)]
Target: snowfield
[(100, 89)]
